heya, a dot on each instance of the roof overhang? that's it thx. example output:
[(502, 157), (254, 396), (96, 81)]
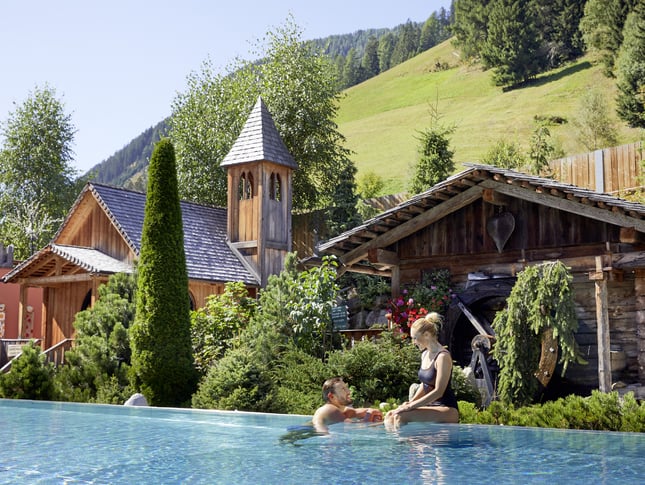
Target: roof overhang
[(363, 249), (56, 264)]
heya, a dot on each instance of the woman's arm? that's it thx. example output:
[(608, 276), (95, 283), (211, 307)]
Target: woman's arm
[(443, 365)]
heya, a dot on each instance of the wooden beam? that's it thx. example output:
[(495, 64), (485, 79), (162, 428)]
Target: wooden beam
[(245, 244), (567, 205), (381, 256), (431, 215), (602, 317), (364, 269), (493, 197), (56, 280)]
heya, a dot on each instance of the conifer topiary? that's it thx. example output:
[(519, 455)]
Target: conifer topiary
[(162, 362)]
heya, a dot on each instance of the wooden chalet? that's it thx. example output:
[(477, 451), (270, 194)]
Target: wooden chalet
[(101, 235), (485, 225)]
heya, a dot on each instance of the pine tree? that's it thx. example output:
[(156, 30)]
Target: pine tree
[(407, 43), (602, 28), (470, 26), (512, 45), (162, 361), (558, 22), (370, 62), (630, 70), (435, 156), (385, 48)]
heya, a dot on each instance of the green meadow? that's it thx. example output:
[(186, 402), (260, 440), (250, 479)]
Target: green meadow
[(381, 118)]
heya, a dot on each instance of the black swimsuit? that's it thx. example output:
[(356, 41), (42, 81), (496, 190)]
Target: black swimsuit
[(428, 378)]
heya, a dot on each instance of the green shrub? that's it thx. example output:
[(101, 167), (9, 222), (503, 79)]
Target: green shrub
[(214, 327), (30, 377), (465, 389), (239, 380), (298, 379), (377, 370), (600, 411), (101, 351)]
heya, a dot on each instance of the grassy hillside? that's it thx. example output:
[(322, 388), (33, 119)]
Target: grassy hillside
[(381, 117)]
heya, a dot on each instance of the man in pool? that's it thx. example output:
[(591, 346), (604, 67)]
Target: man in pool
[(337, 407)]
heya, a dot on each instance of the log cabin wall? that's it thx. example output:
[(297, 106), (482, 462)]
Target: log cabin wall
[(623, 316), (461, 244)]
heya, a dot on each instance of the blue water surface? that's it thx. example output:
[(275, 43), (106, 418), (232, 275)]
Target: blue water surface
[(51, 443)]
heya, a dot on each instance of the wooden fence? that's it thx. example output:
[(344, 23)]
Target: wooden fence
[(612, 170)]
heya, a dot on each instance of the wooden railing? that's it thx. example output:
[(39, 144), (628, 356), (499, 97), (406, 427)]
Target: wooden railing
[(55, 354)]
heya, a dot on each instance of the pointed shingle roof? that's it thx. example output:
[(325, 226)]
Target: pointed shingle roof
[(259, 140)]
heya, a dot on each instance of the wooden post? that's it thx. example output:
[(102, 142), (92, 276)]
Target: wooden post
[(639, 287), (602, 317), (395, 283), (22, 308)]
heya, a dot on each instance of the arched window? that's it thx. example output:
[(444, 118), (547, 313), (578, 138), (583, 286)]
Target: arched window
[(275, 189), (241, 187), (249, 189), (245, 189), (87, 301)]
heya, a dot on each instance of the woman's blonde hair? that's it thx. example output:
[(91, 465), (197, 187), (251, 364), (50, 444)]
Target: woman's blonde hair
[(432, 323)]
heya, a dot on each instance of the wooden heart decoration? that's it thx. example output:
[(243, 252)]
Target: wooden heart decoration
[(500, 227)]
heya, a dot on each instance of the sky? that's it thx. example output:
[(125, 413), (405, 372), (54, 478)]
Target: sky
[(117, 65)]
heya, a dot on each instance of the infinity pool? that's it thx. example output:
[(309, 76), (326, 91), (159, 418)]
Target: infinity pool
[(53, 443)]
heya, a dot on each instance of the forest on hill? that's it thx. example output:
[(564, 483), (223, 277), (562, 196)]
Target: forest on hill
[(490, 72)]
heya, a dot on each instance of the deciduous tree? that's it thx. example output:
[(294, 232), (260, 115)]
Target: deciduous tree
[(300, 88), (35, 169)]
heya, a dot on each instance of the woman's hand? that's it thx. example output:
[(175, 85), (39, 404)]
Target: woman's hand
[(402, 408)]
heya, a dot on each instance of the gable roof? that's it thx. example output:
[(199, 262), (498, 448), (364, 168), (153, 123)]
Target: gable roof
[(259, 140), (208, 255), (465, 187)]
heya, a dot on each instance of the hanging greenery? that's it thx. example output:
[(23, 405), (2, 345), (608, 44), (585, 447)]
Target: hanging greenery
[(541, 299)]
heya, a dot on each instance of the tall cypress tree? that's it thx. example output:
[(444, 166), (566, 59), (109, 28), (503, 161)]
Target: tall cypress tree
[(162, 362)]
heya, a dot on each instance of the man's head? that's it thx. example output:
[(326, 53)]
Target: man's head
[(335, 391)]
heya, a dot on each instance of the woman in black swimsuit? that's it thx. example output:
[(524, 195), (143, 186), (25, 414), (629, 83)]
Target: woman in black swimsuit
[(434, 400)]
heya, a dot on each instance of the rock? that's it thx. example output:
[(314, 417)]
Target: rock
[(136, 399)]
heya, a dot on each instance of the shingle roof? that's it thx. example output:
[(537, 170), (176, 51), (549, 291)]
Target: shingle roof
[(48, 260), (259, 140), (208, 255), (592, 204), (91, 260)]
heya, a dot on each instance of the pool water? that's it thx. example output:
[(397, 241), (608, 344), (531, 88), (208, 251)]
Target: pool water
[(45, 442)]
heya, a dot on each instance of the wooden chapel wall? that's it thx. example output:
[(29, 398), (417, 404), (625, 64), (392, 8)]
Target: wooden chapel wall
[(62, 303), (92, 228)]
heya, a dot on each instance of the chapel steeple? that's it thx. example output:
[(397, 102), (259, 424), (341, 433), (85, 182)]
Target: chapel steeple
[(260, 171)]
